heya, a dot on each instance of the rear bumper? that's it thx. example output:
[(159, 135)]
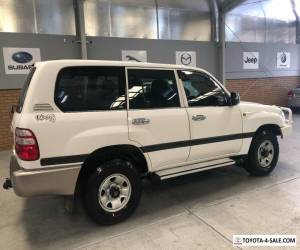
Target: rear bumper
[(55, 181)]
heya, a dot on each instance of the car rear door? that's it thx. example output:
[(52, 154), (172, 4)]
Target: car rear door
[(216, 127), (156, 118)]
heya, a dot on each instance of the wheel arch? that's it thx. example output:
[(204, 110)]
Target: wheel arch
[(274, 128), (124, 151), (253, 165)]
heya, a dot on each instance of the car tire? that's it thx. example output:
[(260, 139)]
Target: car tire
[(113, 192), (263, 154)]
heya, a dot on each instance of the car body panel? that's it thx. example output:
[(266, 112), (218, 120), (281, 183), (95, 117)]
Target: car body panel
[(71, 134), (166, 126), (219, 122)]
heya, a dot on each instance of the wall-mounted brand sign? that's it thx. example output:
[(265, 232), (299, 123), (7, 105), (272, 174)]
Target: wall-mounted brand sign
[(20, 60), (283, 60), (134, 55), (186, 58), (250, 60)]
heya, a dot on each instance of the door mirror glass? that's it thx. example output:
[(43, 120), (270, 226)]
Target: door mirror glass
[(234, 98)]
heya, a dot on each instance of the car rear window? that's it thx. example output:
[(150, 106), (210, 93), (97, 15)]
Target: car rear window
[(90, 89), (24, 90)]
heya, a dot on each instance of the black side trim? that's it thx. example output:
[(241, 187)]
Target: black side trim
[(150, 148), (220, 138), (169, 145), (63, 160), (195, 142)]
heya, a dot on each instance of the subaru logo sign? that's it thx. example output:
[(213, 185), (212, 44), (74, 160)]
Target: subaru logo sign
[(22, 57), (20, 60)]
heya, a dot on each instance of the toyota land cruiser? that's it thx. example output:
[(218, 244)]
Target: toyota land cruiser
[(96, 128)]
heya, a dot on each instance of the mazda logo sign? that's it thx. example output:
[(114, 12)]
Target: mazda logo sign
[(22, 57), (186, 59)]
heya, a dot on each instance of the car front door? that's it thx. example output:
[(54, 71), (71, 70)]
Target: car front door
[(216, 126), (157, 119)]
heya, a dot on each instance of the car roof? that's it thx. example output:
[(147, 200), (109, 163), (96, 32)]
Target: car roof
[(78, 62)]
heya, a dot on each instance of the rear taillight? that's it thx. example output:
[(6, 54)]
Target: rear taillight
[(26, 145), (291, 93)]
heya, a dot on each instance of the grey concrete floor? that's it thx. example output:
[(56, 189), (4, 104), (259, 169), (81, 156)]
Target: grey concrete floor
[(200, 211)]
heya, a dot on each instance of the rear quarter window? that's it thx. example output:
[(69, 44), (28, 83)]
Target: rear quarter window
[(24, 90), (90, 89)]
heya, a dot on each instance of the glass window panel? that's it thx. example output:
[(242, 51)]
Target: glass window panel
[(150, 89), (90, 89)]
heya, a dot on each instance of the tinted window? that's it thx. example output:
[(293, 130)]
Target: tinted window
[(24, 90), (201, 90), (152, 89), (90, 88)]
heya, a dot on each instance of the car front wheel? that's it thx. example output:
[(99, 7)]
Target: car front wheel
[(263, 154)]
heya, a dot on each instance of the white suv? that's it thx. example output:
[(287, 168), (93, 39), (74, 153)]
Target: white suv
[(96, 127)]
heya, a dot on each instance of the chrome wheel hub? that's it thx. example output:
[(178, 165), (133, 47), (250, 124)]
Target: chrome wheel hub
[(114, 193), (265, 154)]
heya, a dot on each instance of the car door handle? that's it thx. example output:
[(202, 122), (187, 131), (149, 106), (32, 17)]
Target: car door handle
[(198, 117), (140, 121)]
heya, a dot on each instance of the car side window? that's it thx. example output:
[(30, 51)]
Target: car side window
[(90, 89), (24, 90), (149, 89), (201, 89)]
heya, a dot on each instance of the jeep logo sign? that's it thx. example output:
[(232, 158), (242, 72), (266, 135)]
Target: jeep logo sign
[(250, 60), (186, 58), (20, 60)]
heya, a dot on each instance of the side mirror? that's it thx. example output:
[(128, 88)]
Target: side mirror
[(234, 98)]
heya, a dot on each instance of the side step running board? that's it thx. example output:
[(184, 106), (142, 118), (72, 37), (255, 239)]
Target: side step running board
[(193, 168)]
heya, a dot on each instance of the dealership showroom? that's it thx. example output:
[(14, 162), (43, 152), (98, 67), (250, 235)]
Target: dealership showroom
[(150, 124)]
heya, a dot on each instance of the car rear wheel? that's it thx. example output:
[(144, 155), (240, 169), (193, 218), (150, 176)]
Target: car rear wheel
[(263, 154), (113, 192)]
